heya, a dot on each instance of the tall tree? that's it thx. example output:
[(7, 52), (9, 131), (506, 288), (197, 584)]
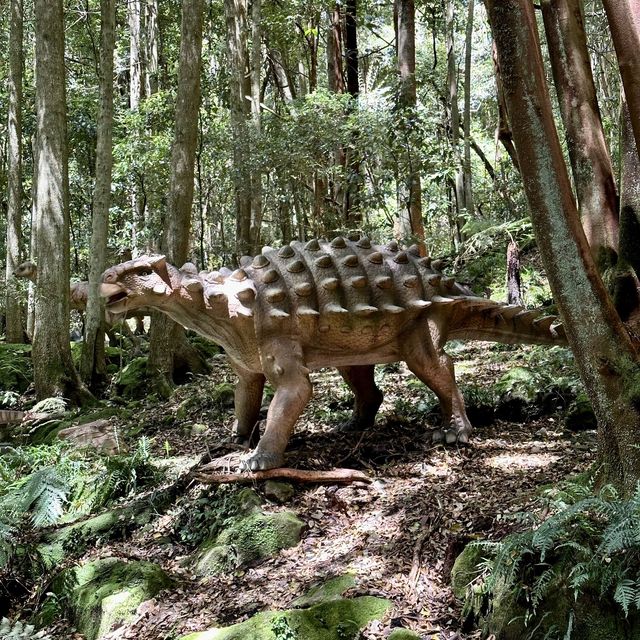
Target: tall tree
[(624, 20), (14, 330), (167, 337), (588, 152), (54, 373), (467, 177), (92, 366), (607, 360), (409, 223), (151, 47)]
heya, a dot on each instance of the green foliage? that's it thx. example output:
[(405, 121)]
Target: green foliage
[(282, 629), (589, 546), (16, 372), (125, 474)]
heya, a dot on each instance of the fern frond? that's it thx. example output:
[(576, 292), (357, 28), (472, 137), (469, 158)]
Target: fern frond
[(625, 594)]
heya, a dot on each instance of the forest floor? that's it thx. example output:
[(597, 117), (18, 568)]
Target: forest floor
[(399, 535)]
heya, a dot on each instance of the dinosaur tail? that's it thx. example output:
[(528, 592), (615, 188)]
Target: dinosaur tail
[(481, 319)]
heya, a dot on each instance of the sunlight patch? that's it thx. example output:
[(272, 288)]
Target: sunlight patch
[(518, 461)]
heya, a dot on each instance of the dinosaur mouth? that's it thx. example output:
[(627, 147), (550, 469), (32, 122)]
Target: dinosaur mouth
[(113, 294)]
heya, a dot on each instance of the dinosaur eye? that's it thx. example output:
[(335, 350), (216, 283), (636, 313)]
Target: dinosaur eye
[(145, 272)]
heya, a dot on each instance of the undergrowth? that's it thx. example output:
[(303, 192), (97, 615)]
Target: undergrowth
[(589, 546)]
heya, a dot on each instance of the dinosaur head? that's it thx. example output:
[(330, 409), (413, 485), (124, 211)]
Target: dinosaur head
[(26, 270), (146, 281)]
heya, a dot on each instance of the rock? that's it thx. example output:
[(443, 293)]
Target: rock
[(223, 395), (100, 435), (580, 416), (248, 538), (336, 620), (465, 569), (325, 591), (108, 592), (278, 491), (132, 380)]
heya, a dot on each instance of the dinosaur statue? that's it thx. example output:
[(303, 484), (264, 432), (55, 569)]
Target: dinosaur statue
[(79, 295), (345, 303)]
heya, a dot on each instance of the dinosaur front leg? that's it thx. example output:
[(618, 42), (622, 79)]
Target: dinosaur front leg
[(368, 397), (248, 400), (435, 368), (285, 369)]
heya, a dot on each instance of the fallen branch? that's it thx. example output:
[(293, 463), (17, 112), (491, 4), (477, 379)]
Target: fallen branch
[(335, 476)]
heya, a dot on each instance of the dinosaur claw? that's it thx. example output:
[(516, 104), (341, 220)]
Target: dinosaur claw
[(262, 462)]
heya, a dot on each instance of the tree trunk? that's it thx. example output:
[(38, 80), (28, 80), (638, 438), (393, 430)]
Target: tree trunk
[(93, 366), (352, 216), (166, 337), (135, 67), (466, 165), (514, 289), (606, 358), (590, 159), (54, 373), (239, 88), (624, 20), (14, 330), (454, 114), (152, 64), (409, 224), (256, 174)]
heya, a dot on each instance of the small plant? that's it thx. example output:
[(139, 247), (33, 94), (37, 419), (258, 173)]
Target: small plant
[(282, 630), (589, 545)]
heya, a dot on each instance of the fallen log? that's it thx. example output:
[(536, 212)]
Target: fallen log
[(335, 476)]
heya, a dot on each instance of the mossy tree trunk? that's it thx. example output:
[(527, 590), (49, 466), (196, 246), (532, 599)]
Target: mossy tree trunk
[(166, 337), (93, 366), (54, 373), (607, 360), (14, 330)]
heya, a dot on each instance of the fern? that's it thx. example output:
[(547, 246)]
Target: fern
[(46, 495)]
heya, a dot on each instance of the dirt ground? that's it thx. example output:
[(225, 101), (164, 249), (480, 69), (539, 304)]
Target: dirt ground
[(399, 535)]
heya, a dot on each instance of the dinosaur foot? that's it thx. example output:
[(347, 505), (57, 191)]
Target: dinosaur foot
[(354, 424), (261, 461), (248, 440), (454, 433)]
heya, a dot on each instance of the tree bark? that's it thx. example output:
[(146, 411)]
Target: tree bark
[(466, 165), (152, 63), (134, 10), (165, 336), (352, 216), (624, 21), (514, 289), (92, 366), (256, 118), (606, 358), (588, 152), (54, 373), (14, 327), (409, 225), (239, 88)]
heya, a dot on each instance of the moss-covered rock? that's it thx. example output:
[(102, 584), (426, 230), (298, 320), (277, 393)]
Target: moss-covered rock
[(107, 592), (278, 491), (332, 589), (244, 539), (403, 634), (580, 415), (465, 569), (131, 381), (336, 620)]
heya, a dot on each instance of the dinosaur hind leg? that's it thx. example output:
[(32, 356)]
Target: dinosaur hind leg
[(434, 367), (368, 397), (248, 399)]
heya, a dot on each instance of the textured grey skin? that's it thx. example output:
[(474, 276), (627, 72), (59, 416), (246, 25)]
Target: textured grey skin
[(345, 303)]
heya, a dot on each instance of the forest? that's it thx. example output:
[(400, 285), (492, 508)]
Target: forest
[(320, 320)]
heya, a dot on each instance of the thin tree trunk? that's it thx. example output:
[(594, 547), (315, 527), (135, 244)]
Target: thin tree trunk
[(54, 373), (454, 113), (14, 328), (606, 358), (352, 216), (166, 337), (152, 64), (590, 159), (92, 365), (256, 174), (239, 88), (409, 225), (514, 289), (135, 95), (624, 20), (466, 165)]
